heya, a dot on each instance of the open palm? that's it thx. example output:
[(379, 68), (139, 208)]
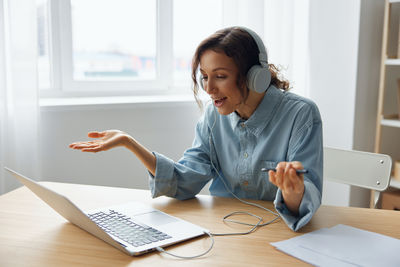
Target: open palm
[(106, 140)]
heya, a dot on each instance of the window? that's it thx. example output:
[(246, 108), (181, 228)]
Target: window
[(113, 44), (125, 47)]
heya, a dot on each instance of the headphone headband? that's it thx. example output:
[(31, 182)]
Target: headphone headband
[(258, 77), (262, 56)]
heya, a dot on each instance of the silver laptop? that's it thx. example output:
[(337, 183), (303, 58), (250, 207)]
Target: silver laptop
[(132, 227)]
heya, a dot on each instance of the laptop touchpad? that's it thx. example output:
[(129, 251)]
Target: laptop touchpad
[(155, 218)]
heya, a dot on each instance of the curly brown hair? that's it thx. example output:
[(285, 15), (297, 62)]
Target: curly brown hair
[(238, 44)]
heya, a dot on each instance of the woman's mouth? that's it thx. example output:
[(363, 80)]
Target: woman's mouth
[(219, 102)]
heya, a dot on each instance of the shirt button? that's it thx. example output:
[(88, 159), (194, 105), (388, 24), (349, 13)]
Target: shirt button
[(245, 155), (243, 125), (246, 183)]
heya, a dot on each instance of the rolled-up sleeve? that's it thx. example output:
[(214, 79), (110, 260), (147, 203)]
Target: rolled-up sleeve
[(308, 206), (185, 178), (164, 182)]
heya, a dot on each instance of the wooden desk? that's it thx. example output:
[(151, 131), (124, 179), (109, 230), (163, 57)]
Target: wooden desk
[(32, 234)]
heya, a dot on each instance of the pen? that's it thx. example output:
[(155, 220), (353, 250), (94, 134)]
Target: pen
[(273, 169)]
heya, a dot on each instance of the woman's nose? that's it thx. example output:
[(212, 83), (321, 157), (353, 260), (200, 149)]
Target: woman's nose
[(208, 86)]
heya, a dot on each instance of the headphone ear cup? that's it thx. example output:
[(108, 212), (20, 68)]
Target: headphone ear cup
[(258, 78)]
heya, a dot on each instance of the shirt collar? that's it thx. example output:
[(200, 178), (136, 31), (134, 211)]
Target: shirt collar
[(263, 113)]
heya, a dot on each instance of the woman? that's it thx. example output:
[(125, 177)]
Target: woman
[(254, 123)]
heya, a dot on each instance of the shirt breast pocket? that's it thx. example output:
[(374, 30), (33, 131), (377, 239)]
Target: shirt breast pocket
[(265, 189), (267, 164)]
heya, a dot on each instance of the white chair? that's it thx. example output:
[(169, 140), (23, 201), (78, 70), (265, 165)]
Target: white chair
[(363, 169)]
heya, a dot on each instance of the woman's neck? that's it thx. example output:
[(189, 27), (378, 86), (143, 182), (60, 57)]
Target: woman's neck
[(250, 104)]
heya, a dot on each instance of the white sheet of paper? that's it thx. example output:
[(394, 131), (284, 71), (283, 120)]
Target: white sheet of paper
[(345, 244), (310, 256)]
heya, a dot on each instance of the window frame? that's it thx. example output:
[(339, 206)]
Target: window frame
[(61, 57)]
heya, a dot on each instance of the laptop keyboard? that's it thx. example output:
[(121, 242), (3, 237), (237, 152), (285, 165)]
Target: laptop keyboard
[(122, 227)]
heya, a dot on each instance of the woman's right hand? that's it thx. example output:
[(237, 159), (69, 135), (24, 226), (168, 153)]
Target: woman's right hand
[(113, 138), (106, 140)]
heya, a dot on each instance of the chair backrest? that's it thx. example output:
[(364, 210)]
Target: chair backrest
[(363, 169)]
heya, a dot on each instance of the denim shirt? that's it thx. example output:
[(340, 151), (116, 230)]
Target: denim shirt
[(284, 127)]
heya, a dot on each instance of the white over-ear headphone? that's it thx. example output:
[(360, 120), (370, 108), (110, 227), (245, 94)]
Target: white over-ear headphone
[(258, 76)]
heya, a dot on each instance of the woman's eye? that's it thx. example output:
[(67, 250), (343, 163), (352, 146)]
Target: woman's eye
[(221, 76)]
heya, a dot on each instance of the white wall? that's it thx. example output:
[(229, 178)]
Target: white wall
[(345, 51), (167, 128), (333, 72), (369, 59)]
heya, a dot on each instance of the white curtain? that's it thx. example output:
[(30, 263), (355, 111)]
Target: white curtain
[(286, 35), (284, 27), (19, 109)]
